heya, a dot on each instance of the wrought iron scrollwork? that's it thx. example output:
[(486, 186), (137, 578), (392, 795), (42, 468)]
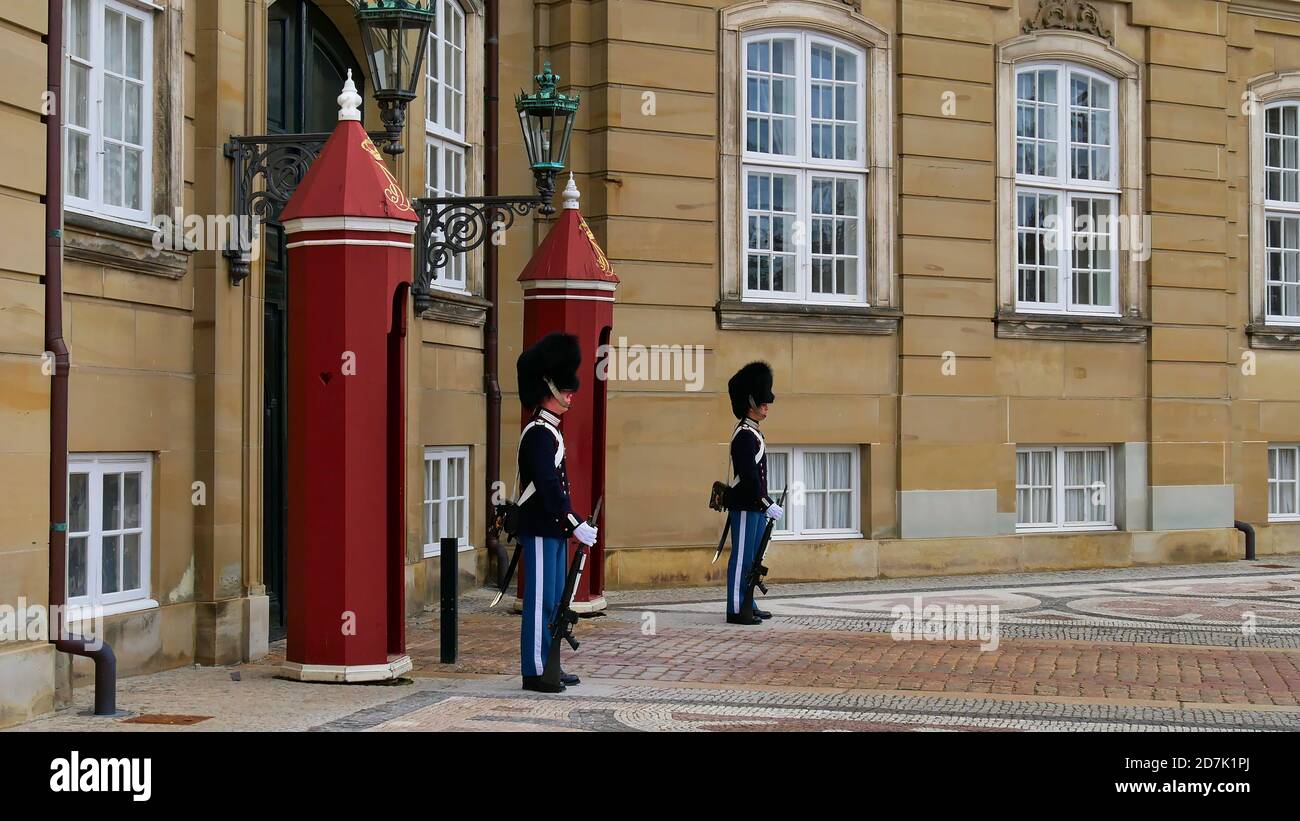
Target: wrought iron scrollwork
[(448, 225), (456, 225), (280, 161)]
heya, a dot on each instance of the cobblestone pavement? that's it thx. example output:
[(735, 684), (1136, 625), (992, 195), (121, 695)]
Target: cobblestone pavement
[(1209, 647)]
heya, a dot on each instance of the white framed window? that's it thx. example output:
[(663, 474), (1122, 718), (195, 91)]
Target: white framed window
[(804, 173), (109, 528), (108, 109), (445, 143), (823, 496), (1282, 213), (1067, 190), (1283, 483), (446, 498), (445, 72), (1064, 488)]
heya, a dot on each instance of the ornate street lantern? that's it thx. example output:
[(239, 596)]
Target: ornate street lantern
[(394, 34), (547, 120)]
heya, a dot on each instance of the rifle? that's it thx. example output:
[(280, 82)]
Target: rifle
[(757, 571), (562, 625)]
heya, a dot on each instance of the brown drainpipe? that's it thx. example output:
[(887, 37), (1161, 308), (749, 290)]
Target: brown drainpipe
[(491, 57), (64, 642)]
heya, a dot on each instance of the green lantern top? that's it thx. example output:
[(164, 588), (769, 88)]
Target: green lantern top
[(414, 6), (547, 99), (547, 120)]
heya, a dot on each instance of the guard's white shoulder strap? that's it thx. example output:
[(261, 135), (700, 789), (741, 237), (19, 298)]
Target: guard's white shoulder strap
[(762, 443), (559, 452)]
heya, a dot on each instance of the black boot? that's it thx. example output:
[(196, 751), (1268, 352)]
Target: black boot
[(762, 614), (536, 684), (740, 619), (569, 679)]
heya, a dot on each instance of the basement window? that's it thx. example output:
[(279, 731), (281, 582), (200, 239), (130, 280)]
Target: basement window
[(1283, 483), (1064, 488), (109, 518), (446, 498), (823, 493)]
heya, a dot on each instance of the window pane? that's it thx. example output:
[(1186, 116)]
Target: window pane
[(132, 182), (1036, 114), (457, 476), (79, 96), (113, 39), (778, 479), (1282, 265), (1090, 130), (1091, 261), (833, 126), (771, 210), (1074, 474), (78, 503), (770, 97), (113, 108), (109, 580), (134, 128), (1286, 466), (1038, 234), (131, 499), (79, 28), (112, 501), (77, 566), (135, 49), (113, 174), (131, 561)]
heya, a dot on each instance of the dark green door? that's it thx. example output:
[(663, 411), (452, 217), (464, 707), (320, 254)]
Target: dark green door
[(307, 64)]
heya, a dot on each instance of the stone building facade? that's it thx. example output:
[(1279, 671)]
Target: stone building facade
[(1028, 273)]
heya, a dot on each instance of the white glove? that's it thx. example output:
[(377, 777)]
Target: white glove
[(585, 533), (775, 512)]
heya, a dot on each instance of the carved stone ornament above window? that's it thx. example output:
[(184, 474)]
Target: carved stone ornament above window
[(1071, 15), (856, 5)]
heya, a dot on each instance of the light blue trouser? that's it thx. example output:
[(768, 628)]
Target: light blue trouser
[(746, 531), (542, 564)]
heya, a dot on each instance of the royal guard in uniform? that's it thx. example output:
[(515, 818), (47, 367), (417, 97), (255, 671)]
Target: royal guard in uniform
[(747, 499), (548, 379)]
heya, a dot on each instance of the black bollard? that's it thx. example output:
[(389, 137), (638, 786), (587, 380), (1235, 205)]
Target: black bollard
[(450, 587)]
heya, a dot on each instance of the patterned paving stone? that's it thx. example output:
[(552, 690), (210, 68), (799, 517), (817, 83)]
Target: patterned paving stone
[(1145, 649), (610, 706)]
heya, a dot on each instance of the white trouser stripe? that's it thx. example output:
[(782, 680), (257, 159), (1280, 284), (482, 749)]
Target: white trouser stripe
[(741, 537), (539, 591)]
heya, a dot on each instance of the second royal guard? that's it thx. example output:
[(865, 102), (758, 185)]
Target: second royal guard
[(749, 505)]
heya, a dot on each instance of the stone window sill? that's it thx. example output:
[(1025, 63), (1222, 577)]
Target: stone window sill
[(1274, 337), (1011, 325), (118, 245), (832, 319), (457, 308)]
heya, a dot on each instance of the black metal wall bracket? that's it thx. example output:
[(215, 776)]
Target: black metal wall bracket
[(279, 162), (457, 225)]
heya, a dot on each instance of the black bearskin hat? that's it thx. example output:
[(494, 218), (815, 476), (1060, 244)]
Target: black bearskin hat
[(556, 357), (752, 385)]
